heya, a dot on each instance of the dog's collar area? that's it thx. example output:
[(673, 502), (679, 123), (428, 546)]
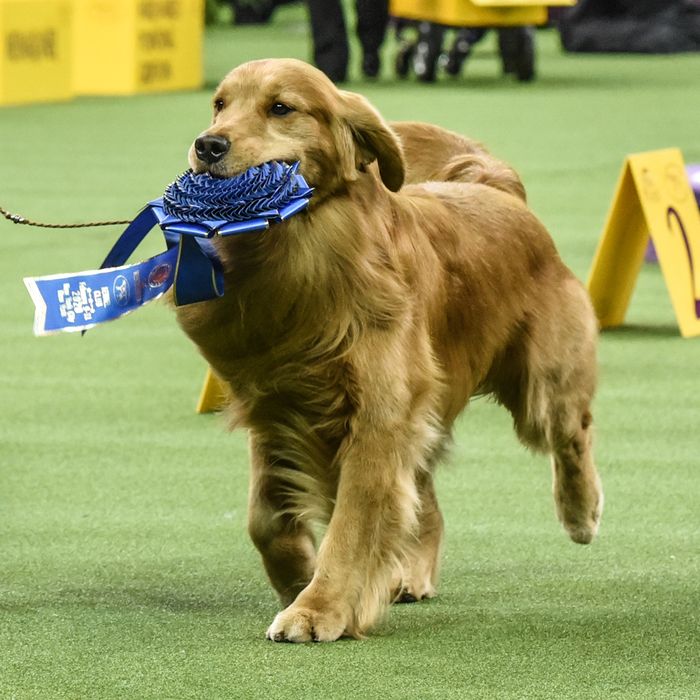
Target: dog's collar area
[(193, 209)]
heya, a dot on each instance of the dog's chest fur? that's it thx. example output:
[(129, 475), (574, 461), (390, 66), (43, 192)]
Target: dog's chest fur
[(282, 336)]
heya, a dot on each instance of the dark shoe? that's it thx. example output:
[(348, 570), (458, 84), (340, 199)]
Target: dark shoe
[(258, 13), (371, 64), (336, 75), (517, 48), (332, 59), (404, 58)]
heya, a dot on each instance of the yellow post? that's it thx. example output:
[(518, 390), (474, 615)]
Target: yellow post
[(620, 254), (213, 395), (653, 197)]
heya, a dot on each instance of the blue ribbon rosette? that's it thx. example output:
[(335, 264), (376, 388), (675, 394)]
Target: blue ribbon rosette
[(193, 209)]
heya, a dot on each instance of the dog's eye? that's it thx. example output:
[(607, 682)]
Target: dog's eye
[(218, 105), (279, 109)]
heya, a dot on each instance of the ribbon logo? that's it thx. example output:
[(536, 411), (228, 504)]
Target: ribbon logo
[(121, 290)]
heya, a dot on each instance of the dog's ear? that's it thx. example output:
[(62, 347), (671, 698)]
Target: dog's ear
[(373, 139)]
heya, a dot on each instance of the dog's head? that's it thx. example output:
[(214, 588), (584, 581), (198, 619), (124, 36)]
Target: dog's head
[(286, 110)]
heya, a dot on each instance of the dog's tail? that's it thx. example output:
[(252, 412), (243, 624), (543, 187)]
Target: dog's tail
[(433, 153), (482, 168)]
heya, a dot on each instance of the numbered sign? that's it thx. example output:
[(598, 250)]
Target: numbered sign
[(653, 198)]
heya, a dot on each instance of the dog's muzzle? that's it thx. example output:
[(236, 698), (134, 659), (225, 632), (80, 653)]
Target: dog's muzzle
[(211, 149)]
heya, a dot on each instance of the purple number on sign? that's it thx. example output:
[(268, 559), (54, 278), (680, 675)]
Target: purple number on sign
[(671, 215)]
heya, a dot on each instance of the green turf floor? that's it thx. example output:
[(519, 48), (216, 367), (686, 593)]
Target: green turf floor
[(125, 568)]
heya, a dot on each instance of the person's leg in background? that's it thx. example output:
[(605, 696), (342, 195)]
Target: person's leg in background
[(329, 36), (372, 21)]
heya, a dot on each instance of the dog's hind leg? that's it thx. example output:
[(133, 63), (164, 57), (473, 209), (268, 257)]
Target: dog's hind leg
[(549, 392), (577, 491)]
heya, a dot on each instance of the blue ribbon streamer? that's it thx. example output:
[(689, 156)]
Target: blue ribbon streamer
[(80, 301)]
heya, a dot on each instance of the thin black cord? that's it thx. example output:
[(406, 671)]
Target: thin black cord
[(16, 219)]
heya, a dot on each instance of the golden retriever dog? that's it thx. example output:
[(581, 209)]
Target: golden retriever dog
[(352, 335)]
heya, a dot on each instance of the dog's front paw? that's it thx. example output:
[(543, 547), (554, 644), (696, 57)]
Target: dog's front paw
[(300, 624)]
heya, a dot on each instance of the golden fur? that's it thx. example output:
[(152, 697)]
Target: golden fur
[(352, 335)]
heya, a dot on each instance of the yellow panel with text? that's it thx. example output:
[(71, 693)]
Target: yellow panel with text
[(134, 46), (35, 57), (213, 396)]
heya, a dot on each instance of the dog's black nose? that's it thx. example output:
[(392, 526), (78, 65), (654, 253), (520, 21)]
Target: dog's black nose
[(211, 149)]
